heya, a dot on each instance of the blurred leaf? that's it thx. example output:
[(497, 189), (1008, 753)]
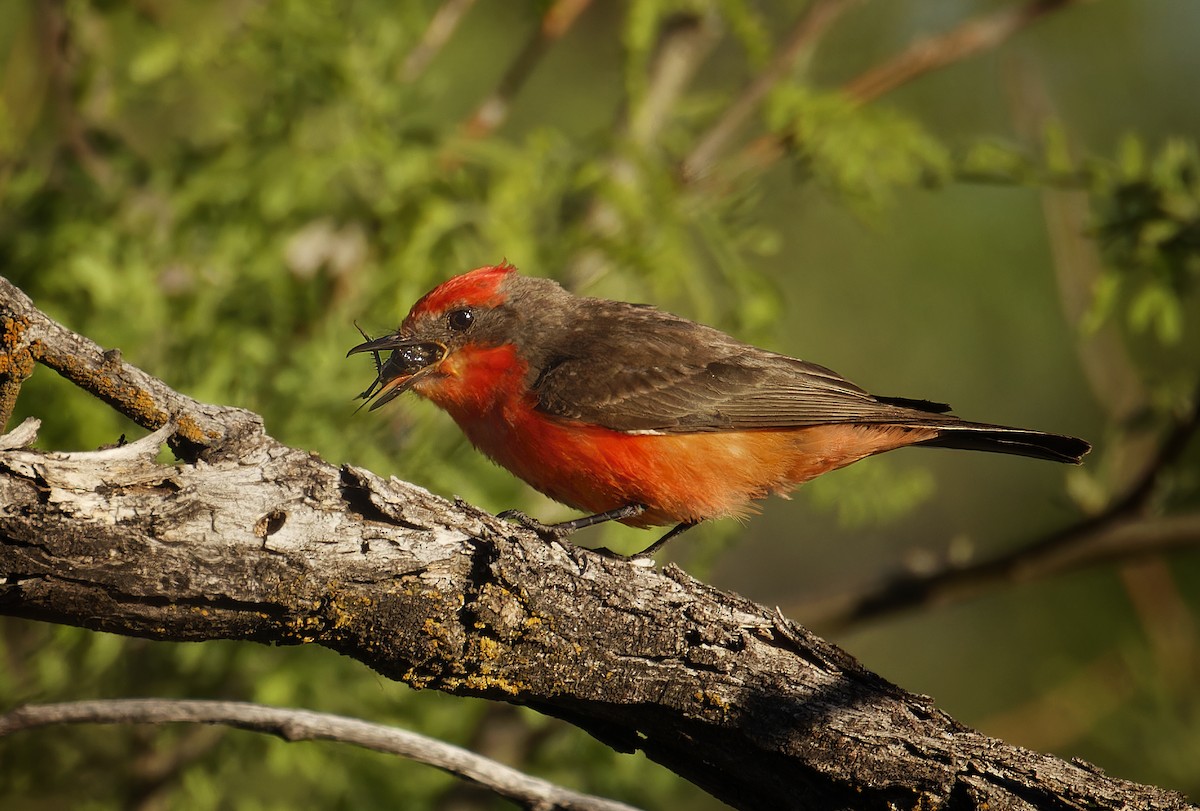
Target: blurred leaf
[(996, 161), (1147, 214), (860, 154), (1157, 309)]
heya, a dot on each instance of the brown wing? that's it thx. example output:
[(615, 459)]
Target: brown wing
[(634, 368)]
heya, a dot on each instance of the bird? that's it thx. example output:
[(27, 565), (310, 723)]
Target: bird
[(628, 413)]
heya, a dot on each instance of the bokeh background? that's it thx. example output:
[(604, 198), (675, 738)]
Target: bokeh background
[(220, 189)]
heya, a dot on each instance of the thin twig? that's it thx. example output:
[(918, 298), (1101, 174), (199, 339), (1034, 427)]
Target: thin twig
[(54, 41), (684, 42), (1119, 531), (304, 725), (983, 33), (492, 112), (968, 39), (1078, 266), (803, 37), (441, 27)]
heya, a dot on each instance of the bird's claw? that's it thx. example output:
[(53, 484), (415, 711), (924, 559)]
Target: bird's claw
[(644, 559), (547, 532), (557, 533)]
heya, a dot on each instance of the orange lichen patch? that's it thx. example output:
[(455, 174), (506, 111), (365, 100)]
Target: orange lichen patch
[(489, 649), (304, 629), (189, 430), (478, 683), (18, 363), (141, 401), (14, 328), (344, 610), (15, 360), (711, 699), (133, 401)]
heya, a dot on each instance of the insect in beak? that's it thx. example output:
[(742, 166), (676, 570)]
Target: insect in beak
[(410, 360)]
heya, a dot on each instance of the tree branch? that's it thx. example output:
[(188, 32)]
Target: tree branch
[(31, 337), (684, 42), (556, 21), (268, 543), (303, 725), (968, 39), (815, 20), (441, 27), (975, 36)]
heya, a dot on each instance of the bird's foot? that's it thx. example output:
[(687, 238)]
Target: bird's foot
[(643, 559), (547, 532), (559, 532), (646, 556)]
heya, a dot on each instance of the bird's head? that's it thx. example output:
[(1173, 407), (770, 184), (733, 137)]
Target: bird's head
[(461, 336)]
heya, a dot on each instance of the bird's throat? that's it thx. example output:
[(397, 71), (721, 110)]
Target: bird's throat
[(475, 382)]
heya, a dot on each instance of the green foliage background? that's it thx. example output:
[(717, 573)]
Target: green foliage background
[(221, 188)]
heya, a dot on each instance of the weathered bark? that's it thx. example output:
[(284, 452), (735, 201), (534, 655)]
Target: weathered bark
[(249, 539)]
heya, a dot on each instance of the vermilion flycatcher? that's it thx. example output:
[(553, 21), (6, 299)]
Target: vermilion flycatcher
[(636, 415)]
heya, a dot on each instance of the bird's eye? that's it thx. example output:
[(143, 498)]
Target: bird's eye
[(460, 320)]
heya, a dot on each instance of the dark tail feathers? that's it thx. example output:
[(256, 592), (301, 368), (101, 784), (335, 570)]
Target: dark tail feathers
[(972, 436)]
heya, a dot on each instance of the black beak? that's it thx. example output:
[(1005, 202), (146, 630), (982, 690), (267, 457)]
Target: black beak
[(411, 359)]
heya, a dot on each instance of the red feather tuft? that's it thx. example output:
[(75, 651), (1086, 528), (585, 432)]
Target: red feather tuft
[(480, 286)]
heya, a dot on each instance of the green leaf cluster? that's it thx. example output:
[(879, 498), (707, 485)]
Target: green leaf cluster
[(1148, 223), (861, 154)]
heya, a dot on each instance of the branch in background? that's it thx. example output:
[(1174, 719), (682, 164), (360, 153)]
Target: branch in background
[(684, 42), (1120, 531), (55, 41), (557, 20), (1078, 267), (812, 24), (304, 725), (1103, 355), (975, 36), (441, 27), (1118, 388)]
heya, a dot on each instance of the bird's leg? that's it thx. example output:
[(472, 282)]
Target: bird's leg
[(561, 530), (619, 514), (645, 554), (557, 532), (675, 532)]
